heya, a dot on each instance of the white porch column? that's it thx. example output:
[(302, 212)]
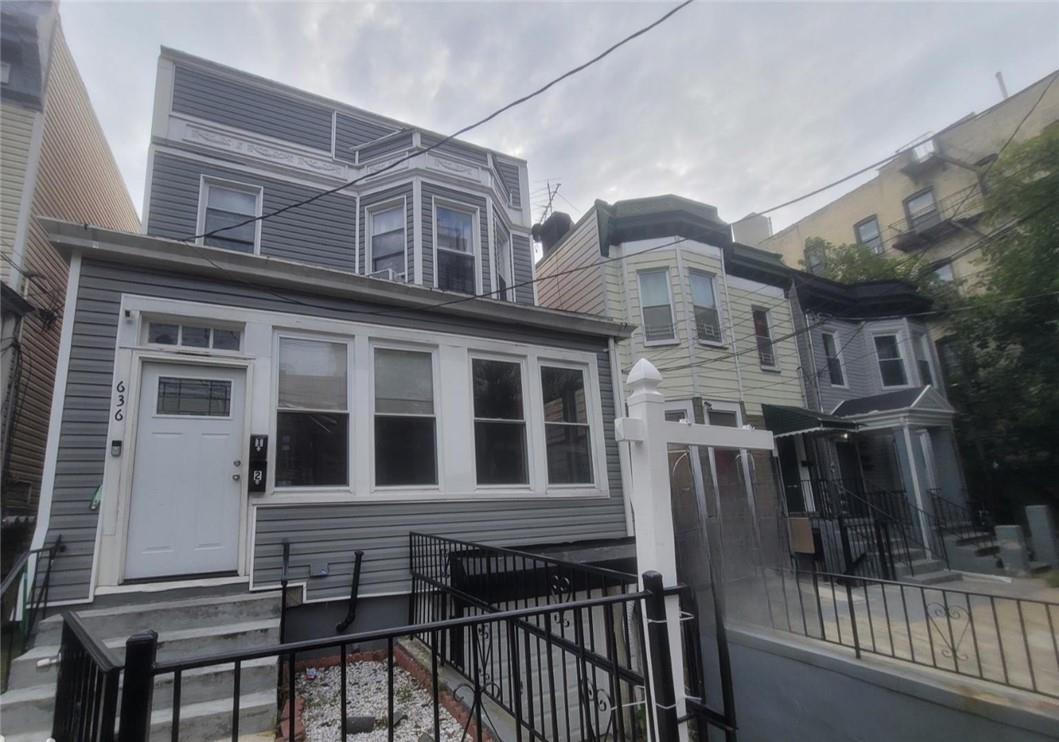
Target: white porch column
[(649, 492), (917, 487)]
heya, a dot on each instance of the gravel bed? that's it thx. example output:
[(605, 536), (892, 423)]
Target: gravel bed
[(366, 695)]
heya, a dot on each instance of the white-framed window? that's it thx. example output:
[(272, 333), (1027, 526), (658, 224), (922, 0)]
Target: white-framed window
[(723, 414), (501, 445), (921, 350), (891, 364), (312, 413), (766, 351), (387, 239), (704, 302), (944, 273), (836, 371), (505, 268), (193, 334), (869, 234), (223, 204), (921, 210), (406, 439), (567, 430), (656, 306), (455, 243)]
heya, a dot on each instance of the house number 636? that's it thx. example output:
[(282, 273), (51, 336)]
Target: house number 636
[(119, 405)]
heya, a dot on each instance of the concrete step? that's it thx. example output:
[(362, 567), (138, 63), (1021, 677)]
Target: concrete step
[(173, 644), (168, 613), (917, 567), (933, 578), (33, 707)]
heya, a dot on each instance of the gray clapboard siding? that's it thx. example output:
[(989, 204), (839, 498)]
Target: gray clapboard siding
[(83, 443), (249, 107), (429, 193), (457, 148), (351, 132), (366, 204), (320, 233), (509, 176), (523, 254), (395, 144), (853, 343), (583, 289), (500, 235)]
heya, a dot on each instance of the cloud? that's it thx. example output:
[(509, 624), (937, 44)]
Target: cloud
[(739, 105)]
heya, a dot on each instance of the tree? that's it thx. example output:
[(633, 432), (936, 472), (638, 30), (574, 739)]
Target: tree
[(853, 263)]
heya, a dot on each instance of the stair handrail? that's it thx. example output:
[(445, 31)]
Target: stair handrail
[(916, 540), (947, 513), (33, 595)]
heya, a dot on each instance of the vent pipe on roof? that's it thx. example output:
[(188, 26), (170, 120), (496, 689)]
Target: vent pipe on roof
[(1003, 87), (551, 232)]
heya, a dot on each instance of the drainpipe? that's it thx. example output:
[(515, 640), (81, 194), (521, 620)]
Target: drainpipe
[(623, 446)]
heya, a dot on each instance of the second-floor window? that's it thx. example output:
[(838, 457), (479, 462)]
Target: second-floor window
[(656, 306), (891, 364), (868, 234), (763, 333), (225, 206), (388, 240), (835, 372), (455, 242), (921, 210), (704, 300), (922, 351)]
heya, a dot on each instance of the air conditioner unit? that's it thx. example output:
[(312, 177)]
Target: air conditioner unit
[(924, 151), (386, 274)]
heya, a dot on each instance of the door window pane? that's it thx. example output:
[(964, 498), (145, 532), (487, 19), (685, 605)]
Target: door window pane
[(657, 311), (566, 427), (891, 366), (499, 426), (200, 397), (312, 374), (405, 428)]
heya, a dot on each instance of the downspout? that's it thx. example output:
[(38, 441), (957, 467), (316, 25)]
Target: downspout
[(623, 450)]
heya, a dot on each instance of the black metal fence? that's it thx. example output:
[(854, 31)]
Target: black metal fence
[(87, 687), (1011, 641), (968, 524), (24, 597)]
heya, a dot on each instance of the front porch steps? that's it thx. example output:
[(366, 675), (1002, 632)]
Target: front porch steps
[(190, 622)]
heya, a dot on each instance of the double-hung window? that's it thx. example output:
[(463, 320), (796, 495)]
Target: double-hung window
[(763, 333), (499, 422), (228, 205), (835, 371), (922, 211), (868, 234), (921, 349), (312, 422), (566, 427), (504, 267), (405, 426), (454, 233), (704, 300), (388, 240), (656, 306), (891, 364)]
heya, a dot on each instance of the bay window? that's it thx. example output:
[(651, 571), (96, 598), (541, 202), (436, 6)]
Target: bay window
[(704, 301), (499, 422), (387, 244), (454, 237), (312, 421), (405, 425), (656, 306), (891, 364), (566, 428)]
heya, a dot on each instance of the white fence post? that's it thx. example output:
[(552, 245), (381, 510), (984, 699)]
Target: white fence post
[(652, 509)]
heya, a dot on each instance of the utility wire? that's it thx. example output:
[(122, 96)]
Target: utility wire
[(503, 109)]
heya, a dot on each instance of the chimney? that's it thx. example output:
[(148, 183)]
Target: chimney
[(752, 229), (552, 231)]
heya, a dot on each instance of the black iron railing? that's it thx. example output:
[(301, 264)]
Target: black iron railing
[(24, 595), (87, 687), (970, 525), (1011, 641)]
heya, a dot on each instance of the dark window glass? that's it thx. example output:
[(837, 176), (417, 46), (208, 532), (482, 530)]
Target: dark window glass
[(195, 337), (455, 230), (226, 339), (405, 450), (387, 240), (868, 234), (922, 351), (834, 364), (566, 426), (765, 352), (922, 211), (201, 397), (455, 240), (891, 367), (162, 333), (499, 427), (723, 419), (676, 416), (456, 272), (311, 449)]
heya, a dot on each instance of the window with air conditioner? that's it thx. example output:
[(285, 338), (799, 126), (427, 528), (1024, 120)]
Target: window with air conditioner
[(704, 302), (387, 241)]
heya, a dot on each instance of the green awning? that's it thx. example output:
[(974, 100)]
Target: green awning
[(782, 421)]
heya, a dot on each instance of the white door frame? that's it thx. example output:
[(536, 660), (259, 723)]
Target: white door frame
[(139, 358)]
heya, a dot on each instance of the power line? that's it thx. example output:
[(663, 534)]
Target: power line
[(486, 119)]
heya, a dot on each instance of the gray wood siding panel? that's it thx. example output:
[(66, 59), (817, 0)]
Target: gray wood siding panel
[(858, 360), (352, 132), (582, 290), (509, 176), (396, 144), (83, 434), (391, 194), (320, 233), (456, 147), (227, 102), (523, 253), (431, 191)]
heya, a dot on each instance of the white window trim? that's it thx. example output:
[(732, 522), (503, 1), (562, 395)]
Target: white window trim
[(902, 354), (511, 292), (527, 411), (922, 338), (190, 349), (675, 340), (838, 354), (720, 343), (281, 333), (595, 452), (476, 236), (371, 211), (205, 181), (721, 406), (439, 454), (775, 365)]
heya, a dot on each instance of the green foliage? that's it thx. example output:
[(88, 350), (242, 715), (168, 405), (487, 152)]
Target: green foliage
[(853, 263)]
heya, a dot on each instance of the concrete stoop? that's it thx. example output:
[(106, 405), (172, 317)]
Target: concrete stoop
[(189, 623)]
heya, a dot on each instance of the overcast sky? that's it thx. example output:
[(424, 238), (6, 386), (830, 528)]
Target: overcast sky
[(739, 105)]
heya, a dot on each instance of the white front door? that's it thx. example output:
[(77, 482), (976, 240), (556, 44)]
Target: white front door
[(184, 513)]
